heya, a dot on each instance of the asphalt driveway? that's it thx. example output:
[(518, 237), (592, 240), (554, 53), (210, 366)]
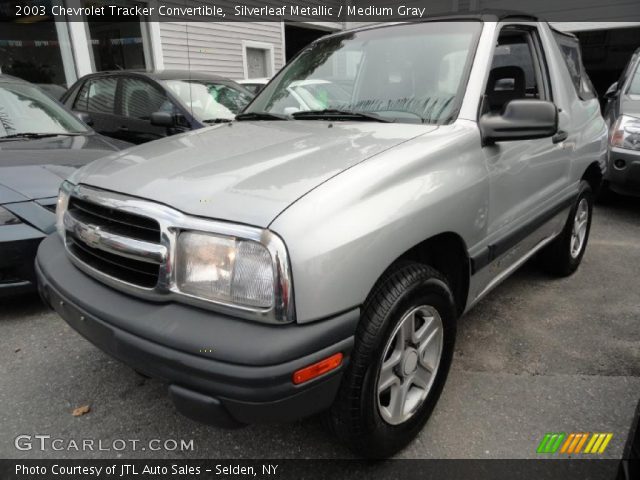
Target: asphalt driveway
[(537, 355)]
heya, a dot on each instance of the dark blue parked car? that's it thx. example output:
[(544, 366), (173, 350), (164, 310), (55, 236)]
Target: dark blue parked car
[(41, 143)]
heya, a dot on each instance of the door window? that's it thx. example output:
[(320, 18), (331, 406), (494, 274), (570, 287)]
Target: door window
[(516, 72), (140, 99), (97, 96)]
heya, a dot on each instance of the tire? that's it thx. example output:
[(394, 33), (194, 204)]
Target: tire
[(560, 258), (360, 416)]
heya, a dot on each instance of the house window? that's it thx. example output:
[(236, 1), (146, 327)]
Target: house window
[(117, 44), (33, 51)]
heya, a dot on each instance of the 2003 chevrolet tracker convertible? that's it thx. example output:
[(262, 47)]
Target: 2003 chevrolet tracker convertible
[(299, 260)]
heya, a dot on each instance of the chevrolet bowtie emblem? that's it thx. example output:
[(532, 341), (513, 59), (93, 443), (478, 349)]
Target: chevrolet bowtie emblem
[(90, 235)]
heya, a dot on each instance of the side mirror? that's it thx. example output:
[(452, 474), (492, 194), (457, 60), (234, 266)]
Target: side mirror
[(163, 119), (521, 120), (612, 90), (84, 117)]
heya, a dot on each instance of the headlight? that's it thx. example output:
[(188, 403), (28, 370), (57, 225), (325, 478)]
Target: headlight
[(225, 269), (626, 133), (8, 218), (61, 207)]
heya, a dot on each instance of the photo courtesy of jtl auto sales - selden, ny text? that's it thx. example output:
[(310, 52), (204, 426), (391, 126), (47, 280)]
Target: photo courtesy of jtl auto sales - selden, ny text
[(320, 239)]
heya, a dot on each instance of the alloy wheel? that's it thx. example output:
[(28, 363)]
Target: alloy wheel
[(579, 229), (410, 363)]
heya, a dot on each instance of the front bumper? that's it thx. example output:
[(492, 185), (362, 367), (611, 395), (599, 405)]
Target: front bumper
[(18, 247), (624, 180), (220, 370)]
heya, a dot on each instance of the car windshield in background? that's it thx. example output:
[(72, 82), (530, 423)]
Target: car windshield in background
[(209, 101), (634, 87), (409, 73), (27, 111)]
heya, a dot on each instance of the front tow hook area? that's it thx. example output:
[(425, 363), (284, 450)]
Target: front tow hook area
[(202, 408)]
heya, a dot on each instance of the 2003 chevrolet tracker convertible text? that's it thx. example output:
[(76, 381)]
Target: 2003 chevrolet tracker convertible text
[(316, 256)]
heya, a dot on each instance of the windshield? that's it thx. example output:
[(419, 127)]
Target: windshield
[(408, 73), (26, 109), (209, 101)]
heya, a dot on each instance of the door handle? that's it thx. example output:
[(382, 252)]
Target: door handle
[(561, 136), (123, 128)]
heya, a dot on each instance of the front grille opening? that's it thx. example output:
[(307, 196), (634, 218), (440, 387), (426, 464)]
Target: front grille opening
[(123, 268), (116, 221)]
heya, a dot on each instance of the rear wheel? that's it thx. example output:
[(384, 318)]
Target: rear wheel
[(401, 358), (563, 256)]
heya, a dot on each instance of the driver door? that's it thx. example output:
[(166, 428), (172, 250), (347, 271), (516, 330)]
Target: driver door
[(527, 177)]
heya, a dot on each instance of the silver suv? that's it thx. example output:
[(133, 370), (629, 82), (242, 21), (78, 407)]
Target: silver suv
[(622, 114), (316, 258)]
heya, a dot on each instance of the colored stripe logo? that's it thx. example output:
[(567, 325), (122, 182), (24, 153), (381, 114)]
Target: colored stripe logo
[(573, 443), (598, 443), (550, 442)]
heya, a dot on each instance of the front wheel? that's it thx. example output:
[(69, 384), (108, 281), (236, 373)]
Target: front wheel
[(563, 256), (401, 358)]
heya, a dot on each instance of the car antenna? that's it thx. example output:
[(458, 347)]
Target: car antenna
[(186, 26)]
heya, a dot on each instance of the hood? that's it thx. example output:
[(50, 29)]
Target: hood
[(28, 183), (76, 151), (8, 195), (245, 172), (630, 105)]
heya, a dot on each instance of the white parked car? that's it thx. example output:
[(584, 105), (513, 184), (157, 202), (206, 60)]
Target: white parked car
[(311, 94), (254, 85)]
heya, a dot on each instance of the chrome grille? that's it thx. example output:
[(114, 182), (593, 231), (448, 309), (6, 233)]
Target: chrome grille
[(117, 243), (123, 268), (115, 221)]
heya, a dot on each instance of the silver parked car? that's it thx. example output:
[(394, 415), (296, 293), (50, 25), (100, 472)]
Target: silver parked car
[(622, 114), (293, 262)]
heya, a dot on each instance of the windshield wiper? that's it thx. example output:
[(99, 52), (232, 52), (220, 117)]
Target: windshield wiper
[(217, 120), (260, 116), (332, 113), (37, 135)]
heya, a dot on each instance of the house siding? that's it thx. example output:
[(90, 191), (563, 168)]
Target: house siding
[(216, 47)]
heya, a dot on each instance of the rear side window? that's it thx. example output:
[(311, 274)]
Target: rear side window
[(97, 96), (570, 48), (634, 85), (140, 99)]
